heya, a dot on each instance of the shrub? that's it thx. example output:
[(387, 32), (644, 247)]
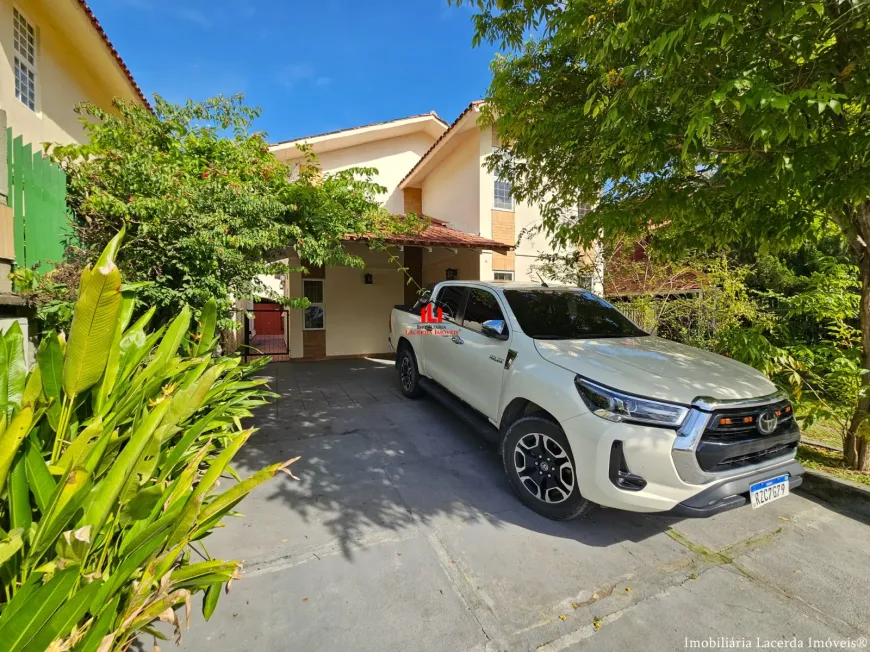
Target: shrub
[(208, 207), (111, 448)]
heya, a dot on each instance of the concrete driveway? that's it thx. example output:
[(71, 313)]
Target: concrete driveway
[(403, 534)]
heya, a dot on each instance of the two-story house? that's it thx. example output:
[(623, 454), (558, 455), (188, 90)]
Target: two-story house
[(53, 55), (429, 168)]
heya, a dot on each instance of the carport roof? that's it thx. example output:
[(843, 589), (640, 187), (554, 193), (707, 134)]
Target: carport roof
[(438, 234)]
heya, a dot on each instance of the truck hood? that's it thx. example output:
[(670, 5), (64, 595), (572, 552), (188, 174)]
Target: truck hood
[(657, 368)]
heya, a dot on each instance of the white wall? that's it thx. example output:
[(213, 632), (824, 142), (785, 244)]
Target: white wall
[(528, 247), (64, 76), (451, 192), (465, 261), (355, 314), (392, 157)]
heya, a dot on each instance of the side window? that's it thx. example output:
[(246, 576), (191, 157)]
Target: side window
[(502, 197), (312, 289), (452, 299), (24, 59), (482, 307)]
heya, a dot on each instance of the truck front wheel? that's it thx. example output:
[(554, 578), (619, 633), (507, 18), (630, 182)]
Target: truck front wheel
[(409, 375), (540, 468)]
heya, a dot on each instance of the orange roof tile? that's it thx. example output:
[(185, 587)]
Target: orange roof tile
[(438, 234)]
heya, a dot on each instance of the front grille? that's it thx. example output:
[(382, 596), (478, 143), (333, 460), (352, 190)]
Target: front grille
[(740, 461), (732, 439), (741, 424)]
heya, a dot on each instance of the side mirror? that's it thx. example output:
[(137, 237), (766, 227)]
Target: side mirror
[(494, 327)]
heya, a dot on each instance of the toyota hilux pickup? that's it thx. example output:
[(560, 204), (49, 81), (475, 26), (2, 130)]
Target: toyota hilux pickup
[(586, 407)]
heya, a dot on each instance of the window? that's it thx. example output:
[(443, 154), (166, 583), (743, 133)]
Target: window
[(451, 299), (24, 47), (313, 291), (482, 307), (503, 200), (503, 276), (568, 315), (583, 210)]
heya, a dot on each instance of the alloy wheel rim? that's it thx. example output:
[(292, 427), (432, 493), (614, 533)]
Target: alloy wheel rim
[(544, 468), (405, 373)]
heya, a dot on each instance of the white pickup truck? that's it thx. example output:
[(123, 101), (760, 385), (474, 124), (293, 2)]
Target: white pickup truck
[(587, 407)]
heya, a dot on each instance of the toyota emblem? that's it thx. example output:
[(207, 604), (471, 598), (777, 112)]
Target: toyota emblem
[(767, 422)]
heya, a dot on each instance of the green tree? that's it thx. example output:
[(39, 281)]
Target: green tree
[(206, 206), (719, 122)]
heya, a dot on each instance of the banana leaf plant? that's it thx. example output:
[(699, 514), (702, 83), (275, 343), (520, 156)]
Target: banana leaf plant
[(111, 448)]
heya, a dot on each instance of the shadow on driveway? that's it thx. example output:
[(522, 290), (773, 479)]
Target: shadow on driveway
[(373, 461)]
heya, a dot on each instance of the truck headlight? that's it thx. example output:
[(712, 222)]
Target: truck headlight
[(615, 406)]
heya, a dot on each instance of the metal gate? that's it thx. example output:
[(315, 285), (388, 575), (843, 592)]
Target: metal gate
[(266, 329)]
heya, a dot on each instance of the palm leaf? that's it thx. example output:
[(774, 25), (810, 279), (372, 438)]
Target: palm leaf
[(4, 378), (109, 488), (11, 544), (49, 357), (110, 253), (65, 618), (207, 323), (113, 361), (39, 479), (217, 508), (169, 344), (16, 633), (15, 369), (100, 627), (210, 601), (33, 387), (11, 439), (92, 330), (19, 497)]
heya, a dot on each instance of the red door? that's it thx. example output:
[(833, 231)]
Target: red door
[(268, 319)]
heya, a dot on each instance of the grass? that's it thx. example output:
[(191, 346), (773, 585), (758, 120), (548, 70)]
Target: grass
[(829, 461), (825, 432)]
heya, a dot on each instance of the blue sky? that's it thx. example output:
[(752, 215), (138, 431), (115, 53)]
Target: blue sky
[(311, 66)]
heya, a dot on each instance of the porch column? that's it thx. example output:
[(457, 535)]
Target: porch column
[(414, 263)]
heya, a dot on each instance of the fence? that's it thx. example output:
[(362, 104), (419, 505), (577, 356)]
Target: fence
[(262, 331), (37, 195)]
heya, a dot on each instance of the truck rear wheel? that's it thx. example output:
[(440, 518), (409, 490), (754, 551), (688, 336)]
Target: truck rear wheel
[(409, 375), (540, 468)]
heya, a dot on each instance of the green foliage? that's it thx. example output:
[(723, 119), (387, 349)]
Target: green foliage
[(53, 301), (205, 204), (720, 305), (718, 121), (816, 329), (718, 124), (110, 452)]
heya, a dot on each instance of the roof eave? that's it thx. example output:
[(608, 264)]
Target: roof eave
[(416, 174), (424, 120), (112, 51)]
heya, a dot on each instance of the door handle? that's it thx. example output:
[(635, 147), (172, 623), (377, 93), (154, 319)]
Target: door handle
[(457, 340), (427, 327)]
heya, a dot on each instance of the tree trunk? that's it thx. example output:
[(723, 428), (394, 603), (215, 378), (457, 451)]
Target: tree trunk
[(856, 449)]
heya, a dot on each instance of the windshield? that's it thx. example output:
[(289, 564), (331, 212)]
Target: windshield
[(568, 315)]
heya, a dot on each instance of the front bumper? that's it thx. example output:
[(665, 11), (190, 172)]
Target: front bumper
[(728, 494), (667, 462)]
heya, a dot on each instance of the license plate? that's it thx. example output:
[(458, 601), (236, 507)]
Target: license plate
[(767, 491)]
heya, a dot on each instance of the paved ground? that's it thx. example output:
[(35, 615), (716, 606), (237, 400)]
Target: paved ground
[(402, 534)]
